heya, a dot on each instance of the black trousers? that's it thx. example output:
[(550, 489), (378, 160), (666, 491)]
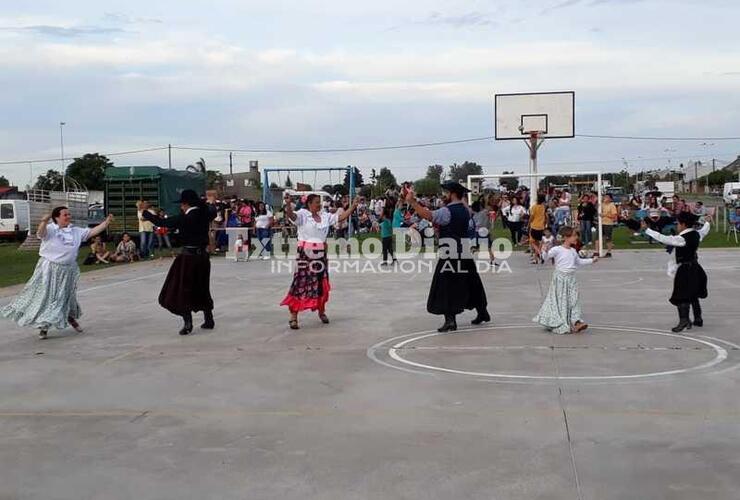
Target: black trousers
[(387, 242), (516, 231)]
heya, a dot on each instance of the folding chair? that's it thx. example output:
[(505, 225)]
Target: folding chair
[(732, 222)]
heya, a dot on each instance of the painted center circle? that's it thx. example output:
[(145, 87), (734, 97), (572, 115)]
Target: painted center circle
[(525, 352)]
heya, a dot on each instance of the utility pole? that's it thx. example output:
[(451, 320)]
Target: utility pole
[(61, 142), (169, 155), (231, 165)]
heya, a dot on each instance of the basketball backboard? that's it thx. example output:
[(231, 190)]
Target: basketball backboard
[(551, 113)]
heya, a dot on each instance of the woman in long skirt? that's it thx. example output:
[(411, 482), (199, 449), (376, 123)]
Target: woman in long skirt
[(49, 298), (561, 310), (310, 287)]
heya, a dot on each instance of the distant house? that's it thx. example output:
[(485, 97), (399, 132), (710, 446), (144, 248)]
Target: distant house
[(11, 193), (244, 184)]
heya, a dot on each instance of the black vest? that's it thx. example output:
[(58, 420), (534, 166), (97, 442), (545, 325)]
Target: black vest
[(457, 229), (688, 253)]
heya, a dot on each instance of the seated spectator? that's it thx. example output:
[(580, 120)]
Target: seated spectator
[(98, 249), (126, 250)]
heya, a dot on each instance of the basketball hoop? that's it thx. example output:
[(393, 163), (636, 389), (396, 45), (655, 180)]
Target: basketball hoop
[(534, 117)]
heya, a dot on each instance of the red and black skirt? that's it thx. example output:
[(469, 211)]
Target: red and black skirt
[(188, 284), (310, 287)]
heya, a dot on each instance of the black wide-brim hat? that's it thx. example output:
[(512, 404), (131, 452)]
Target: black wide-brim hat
[(687, 218), (455, 187), (190, 197)]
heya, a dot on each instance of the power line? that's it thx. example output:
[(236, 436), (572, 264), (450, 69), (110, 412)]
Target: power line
[(647, 138), (334, 150), (47, 160), (367, 148)]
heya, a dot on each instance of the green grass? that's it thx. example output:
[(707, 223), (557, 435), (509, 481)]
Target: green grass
[(17, 266)]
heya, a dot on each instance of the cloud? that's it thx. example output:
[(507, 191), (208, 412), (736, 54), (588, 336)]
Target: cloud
[(558, 6), (62, 31), (121, 18), (467, 20)]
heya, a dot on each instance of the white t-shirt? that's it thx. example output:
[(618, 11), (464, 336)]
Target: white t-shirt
[(61, 245), (566, 259), (311, 231), (515, 212), (263, 221)]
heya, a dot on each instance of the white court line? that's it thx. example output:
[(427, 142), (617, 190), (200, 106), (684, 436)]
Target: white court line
[(721, 355), (117, 283)]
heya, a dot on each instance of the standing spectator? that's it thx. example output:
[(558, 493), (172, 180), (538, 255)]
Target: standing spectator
[(678, 205), (586, 216), (263, 226), (514, 214), (609, 218), (146, 230), (246, 213), (163, 234), (537, 224), (386, 234)]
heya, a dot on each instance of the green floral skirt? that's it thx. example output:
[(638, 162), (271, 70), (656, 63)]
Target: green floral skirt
[(49, 297), (562, 306)]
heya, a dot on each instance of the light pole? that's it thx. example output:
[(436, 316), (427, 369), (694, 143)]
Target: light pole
[(61, 142)]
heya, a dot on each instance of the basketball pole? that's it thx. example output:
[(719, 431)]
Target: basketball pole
[(533, 143)]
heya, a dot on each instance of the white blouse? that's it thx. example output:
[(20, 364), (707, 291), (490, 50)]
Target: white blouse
[(311, 231), (566, 259), (61, 245)]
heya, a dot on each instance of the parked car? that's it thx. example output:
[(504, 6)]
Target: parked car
[(14, 219), (731, 193)]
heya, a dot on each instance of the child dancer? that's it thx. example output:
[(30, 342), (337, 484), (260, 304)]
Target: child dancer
[(561, 310)]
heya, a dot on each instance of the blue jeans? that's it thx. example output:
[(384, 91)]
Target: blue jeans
[(586, 232), (264, 235), (146, 243)]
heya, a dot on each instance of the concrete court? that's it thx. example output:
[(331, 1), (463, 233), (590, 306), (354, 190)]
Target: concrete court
[(253, 410)]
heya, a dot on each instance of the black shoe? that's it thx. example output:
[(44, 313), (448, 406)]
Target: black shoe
[(450, 325), (683, 324), (187, 325), (208, 324), (698, 322), (483, 317)]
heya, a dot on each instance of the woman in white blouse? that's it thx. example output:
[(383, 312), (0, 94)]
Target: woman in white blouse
[(310, 287), (49, 299)]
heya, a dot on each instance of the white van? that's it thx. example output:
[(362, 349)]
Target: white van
[(731, 192), (14, 219)]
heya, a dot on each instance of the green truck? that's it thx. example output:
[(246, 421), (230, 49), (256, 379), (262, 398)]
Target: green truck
[(161, 187)]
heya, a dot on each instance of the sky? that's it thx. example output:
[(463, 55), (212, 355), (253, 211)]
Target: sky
[(337, 74)]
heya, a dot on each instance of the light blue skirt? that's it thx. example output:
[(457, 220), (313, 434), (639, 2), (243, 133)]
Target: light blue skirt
[(562, 306), (49, 297)]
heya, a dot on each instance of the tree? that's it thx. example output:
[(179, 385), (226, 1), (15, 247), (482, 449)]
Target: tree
[(273, 185), (288, 182), (4, 182), (214, 180), (386, 180), (50, 181), (358, 178), (460, 173), (89, 170), (435, 172), (427, 186)]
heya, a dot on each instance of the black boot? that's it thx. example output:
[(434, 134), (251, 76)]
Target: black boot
[(187, 324), (482, 317), (683, 318), (208, 323), (698, 321), (450, 325)]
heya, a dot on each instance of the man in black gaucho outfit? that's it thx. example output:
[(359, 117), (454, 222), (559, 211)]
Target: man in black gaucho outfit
[(187, 287), (690, 280), (456, 285)]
